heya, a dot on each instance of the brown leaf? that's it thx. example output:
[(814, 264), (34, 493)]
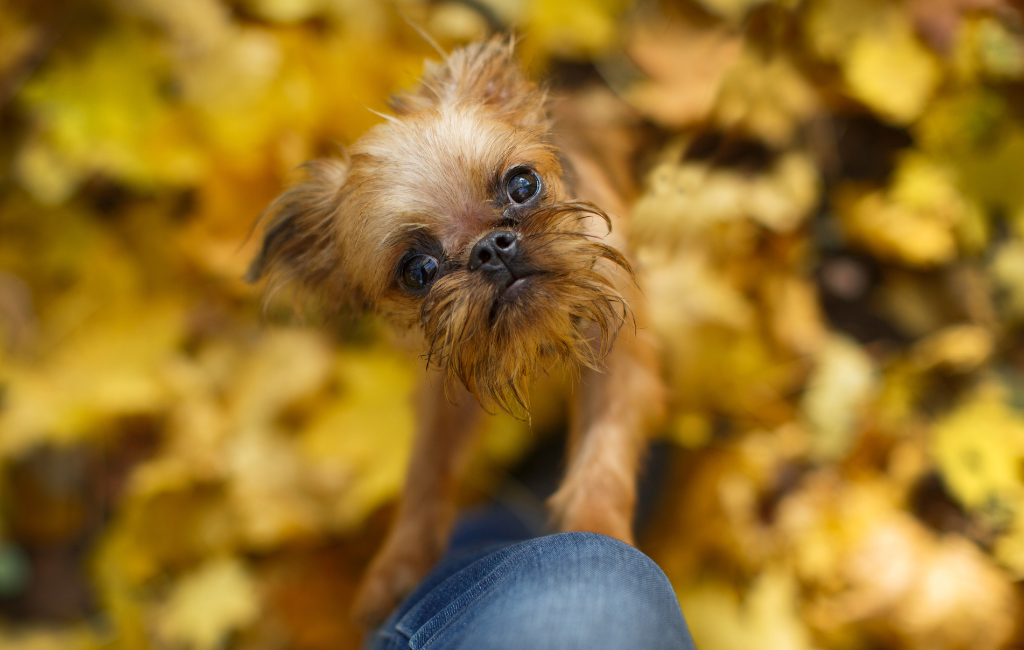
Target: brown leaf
[(938, 20), (686, 67)]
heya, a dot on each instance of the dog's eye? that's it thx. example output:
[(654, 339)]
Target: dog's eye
[(418, 271), (523, 186)]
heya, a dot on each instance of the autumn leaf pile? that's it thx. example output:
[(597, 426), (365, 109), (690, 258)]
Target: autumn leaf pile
[(831, 232)]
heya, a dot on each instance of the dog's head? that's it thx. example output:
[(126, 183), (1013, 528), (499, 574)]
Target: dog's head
[(455, 216)]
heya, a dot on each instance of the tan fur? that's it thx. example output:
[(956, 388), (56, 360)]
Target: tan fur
[(432, 177)]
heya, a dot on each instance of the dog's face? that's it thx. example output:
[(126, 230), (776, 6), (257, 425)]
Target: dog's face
[(455, 217)]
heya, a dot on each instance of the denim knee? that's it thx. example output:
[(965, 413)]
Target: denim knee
[(603, 571), (609, 596), (567, 591)]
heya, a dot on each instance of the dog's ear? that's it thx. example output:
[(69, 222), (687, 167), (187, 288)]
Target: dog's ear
[(300, 242), (485, 73)]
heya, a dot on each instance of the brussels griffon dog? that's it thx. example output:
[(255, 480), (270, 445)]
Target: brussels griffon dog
[(492, 222)]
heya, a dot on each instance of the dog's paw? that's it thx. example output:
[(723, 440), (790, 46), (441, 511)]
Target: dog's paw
[(394, 572), (620, 529), (587, 513)]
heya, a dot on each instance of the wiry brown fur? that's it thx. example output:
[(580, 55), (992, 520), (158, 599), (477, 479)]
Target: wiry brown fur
[(297, 246), (484, 73), (432, 179), (479, 339), (469, 118)]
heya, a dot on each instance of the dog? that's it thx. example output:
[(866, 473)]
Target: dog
[(490, 221)]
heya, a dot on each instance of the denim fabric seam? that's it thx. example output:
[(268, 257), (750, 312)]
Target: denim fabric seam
[(454, 610), (412, 610)]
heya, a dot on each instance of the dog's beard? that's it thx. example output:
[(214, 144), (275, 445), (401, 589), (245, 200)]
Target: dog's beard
[(567, 312)]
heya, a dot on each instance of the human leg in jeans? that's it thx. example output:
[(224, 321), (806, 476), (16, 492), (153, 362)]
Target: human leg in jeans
[(568, 591)]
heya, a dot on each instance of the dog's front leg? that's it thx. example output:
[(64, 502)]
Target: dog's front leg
[(427, 506), (611, 414)]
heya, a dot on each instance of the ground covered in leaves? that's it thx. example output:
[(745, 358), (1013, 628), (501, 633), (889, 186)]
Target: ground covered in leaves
[(831, 231)]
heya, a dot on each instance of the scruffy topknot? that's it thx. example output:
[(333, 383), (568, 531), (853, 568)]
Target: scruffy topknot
[(484, 73)]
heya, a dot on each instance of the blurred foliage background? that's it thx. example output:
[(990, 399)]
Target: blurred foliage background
[(831, 228)]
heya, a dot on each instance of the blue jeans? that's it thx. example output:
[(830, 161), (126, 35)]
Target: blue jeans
[(572, 591)]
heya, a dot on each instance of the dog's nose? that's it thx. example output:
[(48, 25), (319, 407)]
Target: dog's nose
[(495, 251)]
